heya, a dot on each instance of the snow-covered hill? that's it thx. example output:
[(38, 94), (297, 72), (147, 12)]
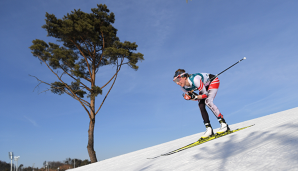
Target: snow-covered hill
[(272, 144)]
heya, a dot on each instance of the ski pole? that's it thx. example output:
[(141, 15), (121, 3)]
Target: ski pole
[(226, 69), (220, 73)]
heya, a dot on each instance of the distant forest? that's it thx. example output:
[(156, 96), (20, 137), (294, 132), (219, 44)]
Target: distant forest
[(52, 165)]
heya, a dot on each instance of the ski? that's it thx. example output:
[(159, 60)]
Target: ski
[(201, 141)]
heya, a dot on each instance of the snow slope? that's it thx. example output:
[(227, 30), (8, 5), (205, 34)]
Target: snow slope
[(272, 144)]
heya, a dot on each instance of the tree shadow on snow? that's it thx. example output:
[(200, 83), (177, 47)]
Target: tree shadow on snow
[(224, 150), (145, 168)]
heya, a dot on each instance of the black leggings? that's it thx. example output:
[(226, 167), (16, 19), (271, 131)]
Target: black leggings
[(204, 113)]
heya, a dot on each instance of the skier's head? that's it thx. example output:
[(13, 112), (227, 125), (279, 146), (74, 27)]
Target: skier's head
[(180, 77)]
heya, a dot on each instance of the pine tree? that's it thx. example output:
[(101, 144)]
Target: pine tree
[(88, 41)]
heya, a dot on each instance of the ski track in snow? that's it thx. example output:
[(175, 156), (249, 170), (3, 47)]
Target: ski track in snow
[(271, 144)]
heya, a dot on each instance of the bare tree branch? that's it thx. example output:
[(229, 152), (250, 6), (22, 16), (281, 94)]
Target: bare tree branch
[(62, 89), (40, 82)]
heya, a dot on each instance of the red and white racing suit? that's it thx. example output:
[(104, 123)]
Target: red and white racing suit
[(207, 90)]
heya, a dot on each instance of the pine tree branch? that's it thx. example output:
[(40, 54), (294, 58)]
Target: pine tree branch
[(76, 97), (84, 101), (110, 79), (119, 66), (94, 51), (114, 74), (90, 73), (103, 47), (84, 41), (87, 88)]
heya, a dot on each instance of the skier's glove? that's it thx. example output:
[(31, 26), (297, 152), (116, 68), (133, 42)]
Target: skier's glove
[(190, 96), (193, 95), (186, 96)]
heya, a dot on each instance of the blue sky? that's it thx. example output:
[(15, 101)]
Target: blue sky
[(145, 107)]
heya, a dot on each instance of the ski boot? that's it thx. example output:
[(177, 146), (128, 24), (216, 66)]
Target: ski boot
[(224, 126), (209, 131)]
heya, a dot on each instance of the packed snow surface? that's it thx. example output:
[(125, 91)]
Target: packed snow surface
[(271, 144)]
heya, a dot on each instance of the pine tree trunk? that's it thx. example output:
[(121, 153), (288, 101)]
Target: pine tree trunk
[(90, 146)]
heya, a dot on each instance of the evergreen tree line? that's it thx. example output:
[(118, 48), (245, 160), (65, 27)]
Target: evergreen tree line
[(5, 166), (53, 165)]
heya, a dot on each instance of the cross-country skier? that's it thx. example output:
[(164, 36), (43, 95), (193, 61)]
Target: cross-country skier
[(207, 93)]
